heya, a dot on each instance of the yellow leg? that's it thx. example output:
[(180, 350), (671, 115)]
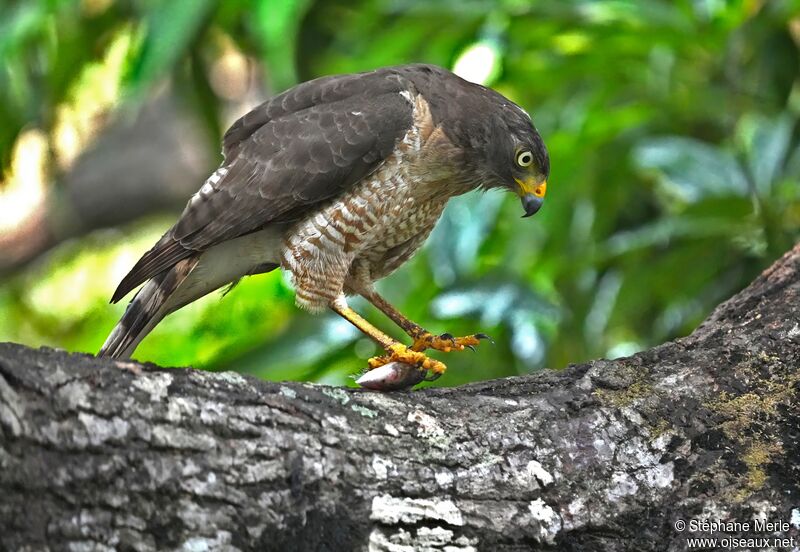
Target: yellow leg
[(423, 339), (395, 351)]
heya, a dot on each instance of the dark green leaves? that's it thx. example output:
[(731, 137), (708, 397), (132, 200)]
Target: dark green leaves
[(671, 128), (169, 29), (691, 170)]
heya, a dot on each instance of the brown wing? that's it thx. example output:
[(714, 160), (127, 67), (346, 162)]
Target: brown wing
[(313, 93), (285, 157)]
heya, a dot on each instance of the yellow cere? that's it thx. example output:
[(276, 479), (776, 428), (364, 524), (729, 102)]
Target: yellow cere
[(531, 186)]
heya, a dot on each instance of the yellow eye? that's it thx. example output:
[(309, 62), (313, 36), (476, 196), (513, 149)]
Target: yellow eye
[(524, 158)]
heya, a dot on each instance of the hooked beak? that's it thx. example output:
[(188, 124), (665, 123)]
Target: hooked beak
[(531, 204), (532, 195)]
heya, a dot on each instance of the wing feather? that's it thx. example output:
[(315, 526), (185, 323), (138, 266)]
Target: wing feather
[(287, 156), (314, 92)]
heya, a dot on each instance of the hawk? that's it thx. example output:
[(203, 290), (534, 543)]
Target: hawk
[(339, 181)]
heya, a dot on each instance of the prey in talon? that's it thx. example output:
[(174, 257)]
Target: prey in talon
[(339, 181), (394, 376)]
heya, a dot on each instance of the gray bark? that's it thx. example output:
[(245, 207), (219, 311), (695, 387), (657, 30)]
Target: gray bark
[(608, 455)]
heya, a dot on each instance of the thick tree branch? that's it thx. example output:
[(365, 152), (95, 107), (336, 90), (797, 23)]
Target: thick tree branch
[(97, 454)]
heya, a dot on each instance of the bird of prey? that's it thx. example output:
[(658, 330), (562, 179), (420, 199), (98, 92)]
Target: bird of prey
[(338, 181)]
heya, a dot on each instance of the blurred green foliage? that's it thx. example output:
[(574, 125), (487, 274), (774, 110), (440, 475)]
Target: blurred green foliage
[(675, 150)]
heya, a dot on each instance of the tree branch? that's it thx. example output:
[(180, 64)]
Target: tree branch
[(165, 160), (98, 455)]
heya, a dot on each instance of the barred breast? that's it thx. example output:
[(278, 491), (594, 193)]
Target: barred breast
[(368, 231), (364, 235), (373, 228)]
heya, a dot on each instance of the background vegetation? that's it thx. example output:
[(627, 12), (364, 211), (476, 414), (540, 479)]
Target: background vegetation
[(672, 128)]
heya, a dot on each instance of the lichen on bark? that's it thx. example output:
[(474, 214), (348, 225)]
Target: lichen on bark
[(101, 455)]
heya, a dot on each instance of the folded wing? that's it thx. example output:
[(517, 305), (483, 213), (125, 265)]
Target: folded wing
[(283, 159)]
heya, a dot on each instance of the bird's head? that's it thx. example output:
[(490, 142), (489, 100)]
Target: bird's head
[(529, 170), (518, 158)]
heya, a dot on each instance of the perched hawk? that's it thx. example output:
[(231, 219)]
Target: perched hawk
[(339, 181)]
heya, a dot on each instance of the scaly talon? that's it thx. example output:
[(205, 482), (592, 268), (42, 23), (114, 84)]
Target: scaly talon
[(433, 376), (400, 353), (446, 342)]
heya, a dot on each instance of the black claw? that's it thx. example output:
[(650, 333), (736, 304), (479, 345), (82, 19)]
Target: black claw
[(483, 336), (433, 376), (470, 347), (447, 336)]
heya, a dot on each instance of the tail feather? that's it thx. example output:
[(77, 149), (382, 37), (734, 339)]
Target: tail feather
[(148, 307), (189, 279)]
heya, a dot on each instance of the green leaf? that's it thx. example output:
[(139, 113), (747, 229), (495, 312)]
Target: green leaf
[(305, 343), (690, 169), (459, 234), (662, 232), (765, 143), (514, 305), (278, 22), (170, 28)]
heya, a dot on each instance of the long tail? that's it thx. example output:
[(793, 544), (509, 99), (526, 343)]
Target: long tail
[(148, 307), (188, 280)]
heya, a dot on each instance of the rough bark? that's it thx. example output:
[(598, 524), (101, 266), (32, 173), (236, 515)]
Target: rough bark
[(97, 454)]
